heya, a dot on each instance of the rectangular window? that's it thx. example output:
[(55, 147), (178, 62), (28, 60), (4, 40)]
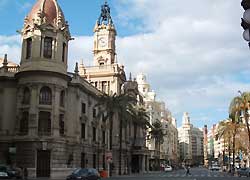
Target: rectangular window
[(94, 160), (94, 112), (103, 137), (94, 134), (103, 162), (44, 123), (61, 124), (28, 49), (83, 131), (64, 52), (83, 108), (104, 86), (47, 49), (83, 165), (24, 123)]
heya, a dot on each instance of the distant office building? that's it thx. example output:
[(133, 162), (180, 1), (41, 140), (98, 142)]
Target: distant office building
[(190, 142)]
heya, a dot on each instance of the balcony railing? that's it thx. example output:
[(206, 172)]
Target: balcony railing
[(44, 133), (10, 69)]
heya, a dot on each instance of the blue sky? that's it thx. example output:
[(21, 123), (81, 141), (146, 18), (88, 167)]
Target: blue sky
[(192, 52), (81, 16)]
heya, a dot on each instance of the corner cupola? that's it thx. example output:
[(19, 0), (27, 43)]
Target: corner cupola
[(45, 38)]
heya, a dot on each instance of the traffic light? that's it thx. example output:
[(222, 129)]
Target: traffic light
[(245, 4), (245, 21)]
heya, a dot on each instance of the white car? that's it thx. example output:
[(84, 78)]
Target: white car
[(215, 168), (4, 175), (168, 169)]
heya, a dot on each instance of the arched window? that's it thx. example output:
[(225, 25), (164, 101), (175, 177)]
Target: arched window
[(45, 96), (26, 96), (62, 97)]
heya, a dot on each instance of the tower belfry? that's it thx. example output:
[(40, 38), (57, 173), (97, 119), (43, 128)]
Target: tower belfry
[(105, 74)]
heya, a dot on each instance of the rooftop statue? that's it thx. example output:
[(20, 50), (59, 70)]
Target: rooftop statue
[(105, 15)]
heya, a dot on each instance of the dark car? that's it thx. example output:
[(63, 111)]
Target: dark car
[(14, 172), (244, 172), (84, 174)]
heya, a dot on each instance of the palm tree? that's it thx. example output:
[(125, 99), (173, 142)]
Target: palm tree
[(140, 119), (236, 107), (157, 133), (116, 104), (241, 105), (224, 132)]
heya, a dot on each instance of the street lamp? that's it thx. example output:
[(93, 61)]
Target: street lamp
[(245, 21)]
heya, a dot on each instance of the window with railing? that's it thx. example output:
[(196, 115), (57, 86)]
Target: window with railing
[(47, 48), (64, 52), (83, 108), (61, 124), (44, 123), (45, 96), (28, 48), (83, 127), (62, 98), (26, 96), (24, 123), (94, 113), (94, 134)]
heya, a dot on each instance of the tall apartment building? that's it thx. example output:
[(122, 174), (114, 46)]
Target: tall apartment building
[(168, 151), (190, 142)]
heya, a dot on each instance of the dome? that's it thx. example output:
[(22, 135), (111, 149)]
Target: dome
[(48, 10)]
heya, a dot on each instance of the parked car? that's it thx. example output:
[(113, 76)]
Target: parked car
[(84, 174), (168, 168), (215, 167), (243, 172), (3, 172)]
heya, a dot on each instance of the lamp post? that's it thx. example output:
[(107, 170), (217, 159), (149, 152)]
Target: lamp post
[(245, 21)]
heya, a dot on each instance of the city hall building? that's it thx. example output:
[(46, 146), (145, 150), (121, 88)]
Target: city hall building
[(49, 118)]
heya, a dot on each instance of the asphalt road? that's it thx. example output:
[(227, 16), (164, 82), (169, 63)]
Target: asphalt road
[(196, 174)]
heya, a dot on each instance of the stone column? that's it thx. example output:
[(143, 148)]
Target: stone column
[(55, 111), (143, 163), (33, 113)]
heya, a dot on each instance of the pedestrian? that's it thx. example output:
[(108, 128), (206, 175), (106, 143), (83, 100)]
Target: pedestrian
[(188, 171)]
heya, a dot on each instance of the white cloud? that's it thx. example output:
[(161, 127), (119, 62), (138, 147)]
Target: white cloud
[(192, 52), (11, 45)]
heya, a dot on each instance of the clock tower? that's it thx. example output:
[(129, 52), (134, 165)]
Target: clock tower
[(106, 74), (104, 38)]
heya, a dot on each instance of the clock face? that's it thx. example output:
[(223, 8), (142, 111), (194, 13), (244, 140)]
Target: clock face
[(102, 41)]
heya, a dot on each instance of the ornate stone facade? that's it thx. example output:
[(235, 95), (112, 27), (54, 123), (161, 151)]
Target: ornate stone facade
[(48, 117)]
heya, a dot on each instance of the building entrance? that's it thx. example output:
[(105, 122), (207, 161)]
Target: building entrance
[(43, 163)]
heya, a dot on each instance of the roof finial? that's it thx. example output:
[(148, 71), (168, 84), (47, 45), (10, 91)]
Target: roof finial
[(130, 76), (5, 60), (76, 68)]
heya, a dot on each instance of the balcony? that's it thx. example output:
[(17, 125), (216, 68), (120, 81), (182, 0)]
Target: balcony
[(138, 143)]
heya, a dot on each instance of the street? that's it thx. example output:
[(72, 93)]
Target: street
[(196, 174)]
